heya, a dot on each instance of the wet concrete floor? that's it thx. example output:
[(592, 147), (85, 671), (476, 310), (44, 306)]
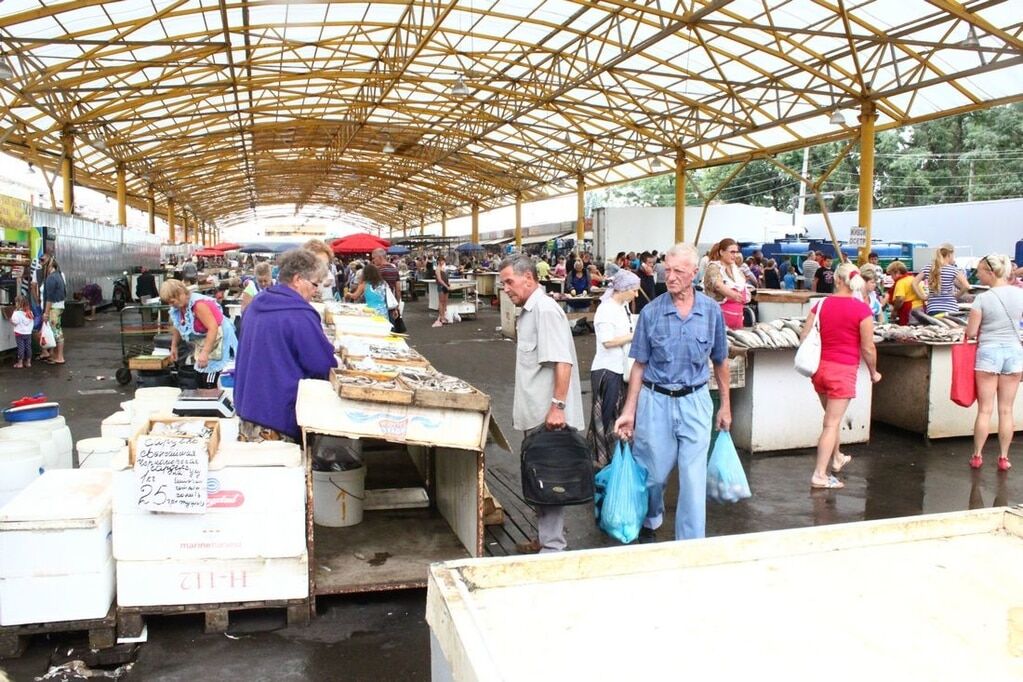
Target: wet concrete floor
[(385, 636)]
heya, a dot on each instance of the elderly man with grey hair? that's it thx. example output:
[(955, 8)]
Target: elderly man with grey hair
[(283, 343), (668, 410), (547, 392)]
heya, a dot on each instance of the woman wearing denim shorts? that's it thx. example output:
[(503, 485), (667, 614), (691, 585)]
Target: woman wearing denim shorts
[(995, 323)]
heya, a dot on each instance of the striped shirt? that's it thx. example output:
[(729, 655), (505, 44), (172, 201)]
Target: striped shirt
[(943, 300)]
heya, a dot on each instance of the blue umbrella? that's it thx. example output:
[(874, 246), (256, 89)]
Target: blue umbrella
[(398, 250), (468, 247), (281, 247), (256, 248)]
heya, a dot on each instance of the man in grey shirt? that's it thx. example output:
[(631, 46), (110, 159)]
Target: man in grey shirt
[(547, 393), (810, 266)]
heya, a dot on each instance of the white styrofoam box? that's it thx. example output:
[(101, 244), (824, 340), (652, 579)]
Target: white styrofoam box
[(55, 598), (59, 525), (211, 581), (117, 425), (256, 511)]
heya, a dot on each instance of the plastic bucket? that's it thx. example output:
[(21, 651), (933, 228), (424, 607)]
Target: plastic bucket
[(20, 464), (95, 453), (43, 438), (61, 438), (338, 497)]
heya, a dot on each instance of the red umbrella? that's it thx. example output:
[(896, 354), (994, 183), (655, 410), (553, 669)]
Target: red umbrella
[(226, 246), (359, 243), (209, 253)]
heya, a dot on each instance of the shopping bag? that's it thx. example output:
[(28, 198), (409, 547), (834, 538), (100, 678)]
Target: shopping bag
[(964, 386), (46, 338), (620, 495), (556, 468), (808, 355), (726, 481)]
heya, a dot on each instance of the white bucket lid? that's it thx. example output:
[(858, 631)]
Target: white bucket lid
[(18, 450), (89, 446)]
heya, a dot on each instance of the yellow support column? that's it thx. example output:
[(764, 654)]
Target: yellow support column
[(152, 211), (184, 224), (171, 236), (67, 170), (518, 221), (122, 196), (580, 195), (680, 198), (444, 224), (475, 223), (868, 115)]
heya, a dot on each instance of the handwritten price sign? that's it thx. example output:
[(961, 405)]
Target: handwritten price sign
[(171, 474)]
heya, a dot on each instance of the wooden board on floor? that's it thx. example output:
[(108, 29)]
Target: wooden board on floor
[(14, 638), (131, 619), (389, 550)]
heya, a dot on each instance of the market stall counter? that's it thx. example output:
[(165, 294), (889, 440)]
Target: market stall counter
[(914, 393), (461, 300)]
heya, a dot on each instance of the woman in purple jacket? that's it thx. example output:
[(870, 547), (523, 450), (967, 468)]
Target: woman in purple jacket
[(283, 344)]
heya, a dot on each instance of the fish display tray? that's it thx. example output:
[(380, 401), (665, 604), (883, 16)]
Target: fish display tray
[(475, 400), (377, 394)]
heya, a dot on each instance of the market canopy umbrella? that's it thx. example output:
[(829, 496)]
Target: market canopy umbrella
[(257, 248), (281, 247), (226, 246), (208, 253), (398, 250), (468, 247), (359, 243)]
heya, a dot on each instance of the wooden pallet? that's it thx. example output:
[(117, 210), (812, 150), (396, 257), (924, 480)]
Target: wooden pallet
[(131, 619), (102, 633)]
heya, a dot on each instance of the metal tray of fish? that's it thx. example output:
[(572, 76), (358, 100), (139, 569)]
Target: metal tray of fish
[(443, 391)]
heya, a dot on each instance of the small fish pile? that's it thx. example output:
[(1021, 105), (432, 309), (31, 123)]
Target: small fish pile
[(434, 382), (393, 353), (368, 382), (782, 333), (932, 333), (371, 367), (191, 429)]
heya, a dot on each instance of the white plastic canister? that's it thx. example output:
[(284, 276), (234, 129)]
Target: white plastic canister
[(338, 497), (20, 464), (44, 438), (96, 453), (57, 426)]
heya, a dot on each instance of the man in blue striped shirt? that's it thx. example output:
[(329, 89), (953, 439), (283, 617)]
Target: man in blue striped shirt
[(668, 410)]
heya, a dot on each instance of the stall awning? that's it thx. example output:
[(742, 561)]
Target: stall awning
[(496, 242), (527, 241)]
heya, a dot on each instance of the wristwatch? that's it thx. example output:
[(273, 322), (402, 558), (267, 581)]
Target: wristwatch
[(560, 404)]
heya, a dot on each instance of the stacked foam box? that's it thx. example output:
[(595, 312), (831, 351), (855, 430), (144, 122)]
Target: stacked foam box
[(55, 549), (250, 545)]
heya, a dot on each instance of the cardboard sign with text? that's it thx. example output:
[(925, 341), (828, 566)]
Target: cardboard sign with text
[(171, 474)]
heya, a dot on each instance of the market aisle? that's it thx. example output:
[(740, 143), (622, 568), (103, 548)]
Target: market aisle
[(385, 636)]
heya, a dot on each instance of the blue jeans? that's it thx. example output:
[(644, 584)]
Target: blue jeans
[(669, 432)]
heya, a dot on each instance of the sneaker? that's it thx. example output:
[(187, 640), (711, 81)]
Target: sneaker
[(438, 323)]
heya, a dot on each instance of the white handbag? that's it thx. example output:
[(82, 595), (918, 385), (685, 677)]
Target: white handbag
[(808, 355)]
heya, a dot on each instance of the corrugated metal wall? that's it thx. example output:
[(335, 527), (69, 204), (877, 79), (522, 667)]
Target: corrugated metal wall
[(94, 252)]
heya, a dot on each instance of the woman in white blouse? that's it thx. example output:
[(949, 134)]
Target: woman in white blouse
[(613, 324)]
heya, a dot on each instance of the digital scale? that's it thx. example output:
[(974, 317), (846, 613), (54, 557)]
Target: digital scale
[(204, 402)]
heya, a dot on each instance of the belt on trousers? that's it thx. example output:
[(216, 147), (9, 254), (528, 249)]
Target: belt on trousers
[(673, 393)]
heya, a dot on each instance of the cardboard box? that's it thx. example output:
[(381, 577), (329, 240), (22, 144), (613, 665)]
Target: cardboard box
[(250, 512), (147, 426), (211, 581)]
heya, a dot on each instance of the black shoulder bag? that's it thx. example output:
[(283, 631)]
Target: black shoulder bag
[(557, 468)]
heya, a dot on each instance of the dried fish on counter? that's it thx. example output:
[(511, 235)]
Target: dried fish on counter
[(368, 382), (939, 333), (435, 382)]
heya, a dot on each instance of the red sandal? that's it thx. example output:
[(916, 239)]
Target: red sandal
[(976, 462), (1004, 464)]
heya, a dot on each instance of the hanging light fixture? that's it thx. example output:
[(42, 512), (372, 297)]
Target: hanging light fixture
[(6, 72), (99, 143), (837, 119), (31, 167), (460, 89), (389, 147), (657, 163)]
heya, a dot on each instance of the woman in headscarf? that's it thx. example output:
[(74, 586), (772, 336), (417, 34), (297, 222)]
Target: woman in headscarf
[(613, 324)]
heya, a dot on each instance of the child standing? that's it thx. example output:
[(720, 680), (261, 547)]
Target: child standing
[(21, 320)]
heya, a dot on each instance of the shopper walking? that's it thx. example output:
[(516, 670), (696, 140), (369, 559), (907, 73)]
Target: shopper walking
[(847, 334), (547, 393), (613, 324), (668, 409), (443, 287), (54, 295), (725, 282), (995, 322)]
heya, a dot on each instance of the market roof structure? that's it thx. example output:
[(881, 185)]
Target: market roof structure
[(394, 111)]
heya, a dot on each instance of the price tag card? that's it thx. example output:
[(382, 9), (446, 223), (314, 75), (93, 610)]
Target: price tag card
[(171, 474)]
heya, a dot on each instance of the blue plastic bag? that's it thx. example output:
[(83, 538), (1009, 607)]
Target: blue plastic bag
[(620, 499), (726, 481)]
